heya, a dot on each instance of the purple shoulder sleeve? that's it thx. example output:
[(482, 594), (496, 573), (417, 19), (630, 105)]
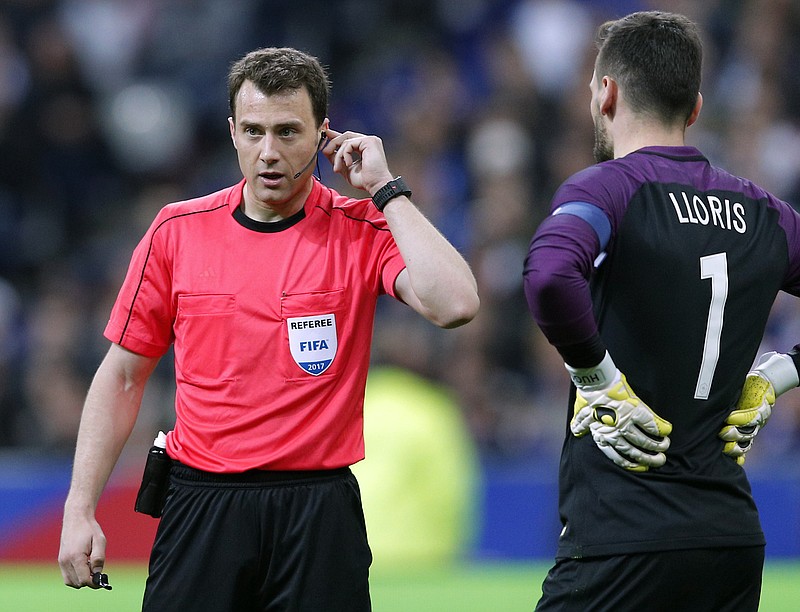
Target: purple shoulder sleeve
[(556, 280), (789, 220)]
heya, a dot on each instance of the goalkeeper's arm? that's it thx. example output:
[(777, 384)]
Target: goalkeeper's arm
[(564, 252), (623, 427), (773, 375)]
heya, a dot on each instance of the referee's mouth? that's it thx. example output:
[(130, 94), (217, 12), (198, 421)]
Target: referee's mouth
[(270, 179)]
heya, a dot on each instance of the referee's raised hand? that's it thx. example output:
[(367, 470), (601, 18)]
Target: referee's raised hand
[(359, 158)]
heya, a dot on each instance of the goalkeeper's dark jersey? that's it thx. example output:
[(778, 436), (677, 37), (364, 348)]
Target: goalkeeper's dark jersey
[(680, 296)]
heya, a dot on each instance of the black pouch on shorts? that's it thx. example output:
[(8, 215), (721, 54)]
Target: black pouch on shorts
[(155, 482)]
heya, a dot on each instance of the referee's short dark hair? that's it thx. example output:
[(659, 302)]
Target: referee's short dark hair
[(279, 69), (656, 57)]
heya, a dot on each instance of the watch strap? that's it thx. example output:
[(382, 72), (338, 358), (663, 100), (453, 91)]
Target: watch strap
[(392, 189)]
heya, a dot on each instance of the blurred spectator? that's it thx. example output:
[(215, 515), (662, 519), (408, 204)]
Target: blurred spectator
[(11, 415)]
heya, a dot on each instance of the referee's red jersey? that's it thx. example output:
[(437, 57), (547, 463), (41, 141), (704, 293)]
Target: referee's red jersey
[(271, 325)]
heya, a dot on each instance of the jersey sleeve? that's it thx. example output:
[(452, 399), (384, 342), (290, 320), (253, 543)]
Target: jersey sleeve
[(387, 259), (392, 265), (564, 253), (556, 282), (789, 220), (372, 243), (142, 317)]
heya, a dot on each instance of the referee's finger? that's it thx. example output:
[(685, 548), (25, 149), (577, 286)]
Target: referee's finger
[(97, 561), (69, 575), (75, 571)]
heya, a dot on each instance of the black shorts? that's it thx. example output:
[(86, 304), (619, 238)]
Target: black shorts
[(266, 541), (702, 580)]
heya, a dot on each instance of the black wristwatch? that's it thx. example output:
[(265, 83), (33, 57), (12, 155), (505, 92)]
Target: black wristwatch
[(392, 189)]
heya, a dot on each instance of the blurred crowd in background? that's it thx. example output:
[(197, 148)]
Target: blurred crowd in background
[(110, 109)]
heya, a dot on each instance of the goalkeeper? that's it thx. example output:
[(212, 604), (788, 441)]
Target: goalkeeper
[(653, 277)]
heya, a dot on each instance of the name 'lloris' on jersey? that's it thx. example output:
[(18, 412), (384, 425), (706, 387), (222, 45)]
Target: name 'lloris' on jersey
[(709, 209)]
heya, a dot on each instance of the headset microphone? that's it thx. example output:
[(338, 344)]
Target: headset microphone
[(311, 161)]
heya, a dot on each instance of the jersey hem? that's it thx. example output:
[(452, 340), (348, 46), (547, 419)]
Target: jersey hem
[(625, 548), (128, 342)]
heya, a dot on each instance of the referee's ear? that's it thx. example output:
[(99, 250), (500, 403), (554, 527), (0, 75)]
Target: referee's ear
[(232, 129)]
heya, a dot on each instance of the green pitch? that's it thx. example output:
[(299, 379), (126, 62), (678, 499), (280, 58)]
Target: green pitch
[(460, 588)]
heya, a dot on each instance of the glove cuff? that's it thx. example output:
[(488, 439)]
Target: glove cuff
[(779, 370), (597, 377)]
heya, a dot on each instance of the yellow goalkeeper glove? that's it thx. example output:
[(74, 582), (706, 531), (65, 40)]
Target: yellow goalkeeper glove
[(623, 427), (773, 375)]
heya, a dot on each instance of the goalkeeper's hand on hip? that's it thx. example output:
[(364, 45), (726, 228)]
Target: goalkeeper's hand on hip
[(623, 427), (773, 375)]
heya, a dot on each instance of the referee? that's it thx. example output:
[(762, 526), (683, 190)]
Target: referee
[(267, 291), (654, 276)]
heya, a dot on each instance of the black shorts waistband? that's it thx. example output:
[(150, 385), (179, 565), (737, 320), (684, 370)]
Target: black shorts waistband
[(254, 477)]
